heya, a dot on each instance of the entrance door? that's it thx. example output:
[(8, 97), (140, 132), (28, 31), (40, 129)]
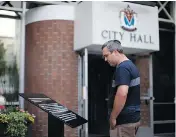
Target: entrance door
[(163, 85), (99, 75)]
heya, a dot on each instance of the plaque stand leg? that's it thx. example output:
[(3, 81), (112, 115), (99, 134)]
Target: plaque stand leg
[(55, 127)]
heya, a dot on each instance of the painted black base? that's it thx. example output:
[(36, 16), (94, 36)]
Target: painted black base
[(55, 127)]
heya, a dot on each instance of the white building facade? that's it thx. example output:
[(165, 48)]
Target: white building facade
[(60, 56)]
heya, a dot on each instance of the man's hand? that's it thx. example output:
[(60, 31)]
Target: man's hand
[(112, 123)]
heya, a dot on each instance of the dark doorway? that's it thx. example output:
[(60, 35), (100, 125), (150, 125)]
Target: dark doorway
[(99, 75), (164, 84), (99, 82)]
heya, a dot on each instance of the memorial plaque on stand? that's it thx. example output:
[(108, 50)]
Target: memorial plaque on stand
[(58, 115)]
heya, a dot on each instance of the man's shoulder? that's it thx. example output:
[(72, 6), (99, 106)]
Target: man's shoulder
[(129, 66)]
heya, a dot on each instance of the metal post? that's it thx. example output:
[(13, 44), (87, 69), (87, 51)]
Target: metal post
[(86, 89), (80, 87), (174, 16), (151, 92), (22, 55)]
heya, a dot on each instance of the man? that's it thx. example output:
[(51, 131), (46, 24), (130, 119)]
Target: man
[(124, 100)]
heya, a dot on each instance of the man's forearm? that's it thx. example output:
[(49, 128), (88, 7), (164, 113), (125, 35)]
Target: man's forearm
[(119, 103)]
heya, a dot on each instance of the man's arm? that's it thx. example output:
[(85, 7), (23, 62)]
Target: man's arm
[(119, 100)]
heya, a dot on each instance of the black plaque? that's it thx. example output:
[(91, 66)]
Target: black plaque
[(58, 115)]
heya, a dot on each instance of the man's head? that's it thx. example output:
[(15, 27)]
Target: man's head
[(112, 51)]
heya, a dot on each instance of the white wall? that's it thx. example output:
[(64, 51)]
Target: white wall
[(83, 26), (7, 26), (50, 12), (105, 17)]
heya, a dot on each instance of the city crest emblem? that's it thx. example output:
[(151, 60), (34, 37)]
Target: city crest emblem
[(128, 19)]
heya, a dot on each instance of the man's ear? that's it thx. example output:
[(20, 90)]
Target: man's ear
[(116, 52)]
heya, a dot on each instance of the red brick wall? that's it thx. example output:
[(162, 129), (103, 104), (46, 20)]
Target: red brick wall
[(51, 68), (143, 66)]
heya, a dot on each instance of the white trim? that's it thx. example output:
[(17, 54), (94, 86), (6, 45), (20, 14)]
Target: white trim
[(22, 56), (80, 85), (80, 99), (164, 122), (11, 9), (162, 6), (86, 89), (166, 12), (166, 30), (57, 2), (47, 2), (50, 12), (146, 98), (84, 58), (164, 103), (151, 92), (165, 20), (164, 134)]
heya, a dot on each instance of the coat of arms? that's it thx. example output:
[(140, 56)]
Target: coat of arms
[(128, 19)]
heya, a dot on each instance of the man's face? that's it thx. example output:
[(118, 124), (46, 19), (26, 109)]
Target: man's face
[(109, 56)]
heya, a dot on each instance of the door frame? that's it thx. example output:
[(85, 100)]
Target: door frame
[(83, 90), (151, 98)]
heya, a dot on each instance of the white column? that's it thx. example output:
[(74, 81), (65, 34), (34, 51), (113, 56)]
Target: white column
[(22, 55), (86, 89), (151, 92), (80, 90)]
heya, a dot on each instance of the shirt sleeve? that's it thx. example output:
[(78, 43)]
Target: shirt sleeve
[(122, 76)]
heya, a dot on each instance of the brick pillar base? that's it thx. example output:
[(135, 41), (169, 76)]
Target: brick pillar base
[(143, 66), (51, 68)]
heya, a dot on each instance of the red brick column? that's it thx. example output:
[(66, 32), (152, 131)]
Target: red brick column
[(143, 66), (51, 68)]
